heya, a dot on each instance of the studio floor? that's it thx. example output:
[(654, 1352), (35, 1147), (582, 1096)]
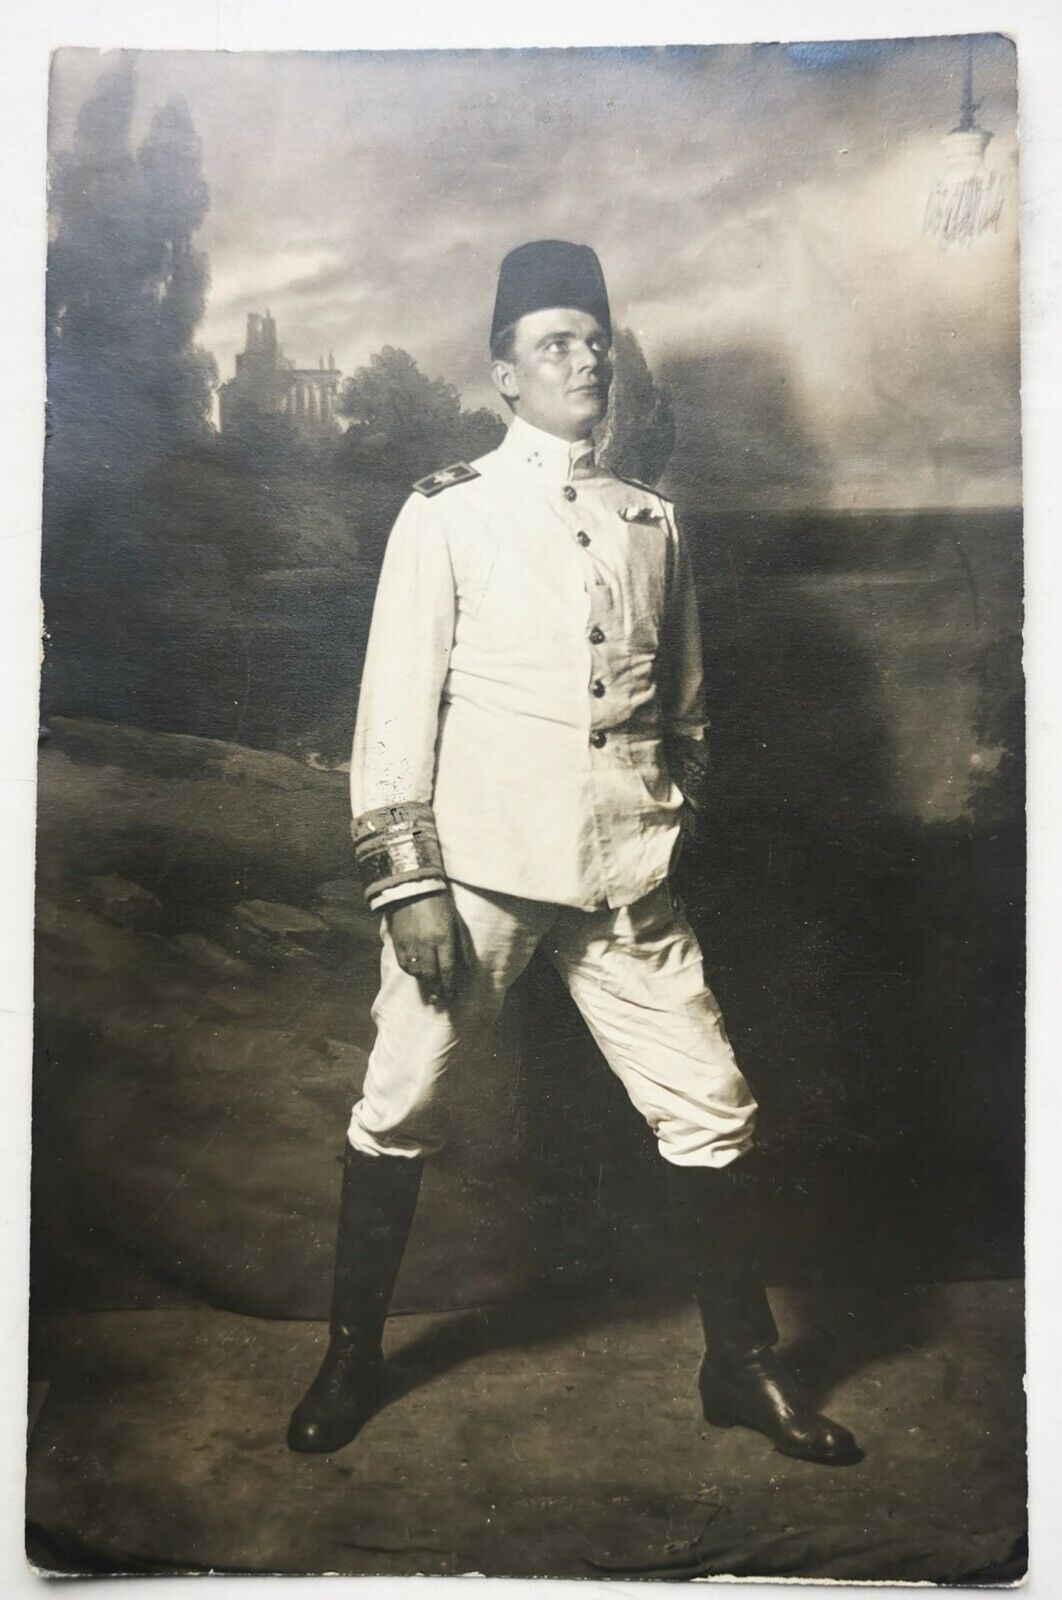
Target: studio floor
[(559, 1439)]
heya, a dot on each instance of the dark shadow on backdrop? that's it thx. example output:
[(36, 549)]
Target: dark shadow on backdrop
[(869, 965)]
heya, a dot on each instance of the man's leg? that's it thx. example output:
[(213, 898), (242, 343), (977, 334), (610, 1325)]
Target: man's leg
[(637, 976), (397, 1122), (377, 1200)]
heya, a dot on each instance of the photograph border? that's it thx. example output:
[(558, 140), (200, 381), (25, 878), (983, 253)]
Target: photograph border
[(322, 24)]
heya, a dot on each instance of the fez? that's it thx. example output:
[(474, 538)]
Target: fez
[(549, 272)]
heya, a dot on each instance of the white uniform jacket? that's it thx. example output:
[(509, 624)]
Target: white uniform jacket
[(531, 710)]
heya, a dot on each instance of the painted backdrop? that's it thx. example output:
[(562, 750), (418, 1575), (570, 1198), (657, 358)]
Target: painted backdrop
[(270, 280)]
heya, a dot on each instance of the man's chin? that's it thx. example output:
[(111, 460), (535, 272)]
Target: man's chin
[(589, 409)]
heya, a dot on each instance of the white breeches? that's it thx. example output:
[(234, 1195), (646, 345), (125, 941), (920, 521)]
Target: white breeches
[(636, 975)]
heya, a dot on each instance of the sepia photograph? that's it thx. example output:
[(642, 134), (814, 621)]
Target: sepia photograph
[(529, 1053)]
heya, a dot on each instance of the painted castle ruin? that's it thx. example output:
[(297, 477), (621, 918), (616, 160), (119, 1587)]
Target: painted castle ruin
[(269, 384)]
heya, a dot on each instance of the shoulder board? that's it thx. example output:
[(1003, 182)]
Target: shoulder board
[(436, 482)]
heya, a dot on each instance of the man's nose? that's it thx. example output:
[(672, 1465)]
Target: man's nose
[(587, 359)]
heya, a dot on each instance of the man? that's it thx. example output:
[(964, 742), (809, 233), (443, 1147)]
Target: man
[(529, 748)]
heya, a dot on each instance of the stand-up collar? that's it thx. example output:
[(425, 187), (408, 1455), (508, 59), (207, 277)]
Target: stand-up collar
[(556, 459)]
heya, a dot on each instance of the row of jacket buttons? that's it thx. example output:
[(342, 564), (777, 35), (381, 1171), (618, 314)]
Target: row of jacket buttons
[(597, 738)]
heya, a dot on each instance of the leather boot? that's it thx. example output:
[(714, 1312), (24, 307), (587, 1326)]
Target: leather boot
[(376, 1205), (741, 1379)]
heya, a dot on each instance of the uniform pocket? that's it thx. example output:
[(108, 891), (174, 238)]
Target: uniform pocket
[(653, 958), (473, 574), (646, 584)]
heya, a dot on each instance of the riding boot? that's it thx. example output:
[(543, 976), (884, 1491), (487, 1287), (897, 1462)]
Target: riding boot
[(376, 1205), (741, 1379)]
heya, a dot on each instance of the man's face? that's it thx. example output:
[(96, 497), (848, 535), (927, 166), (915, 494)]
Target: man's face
[(559, 375)]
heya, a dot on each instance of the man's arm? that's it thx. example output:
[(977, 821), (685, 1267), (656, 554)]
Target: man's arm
[(393, 760), (682, 677)]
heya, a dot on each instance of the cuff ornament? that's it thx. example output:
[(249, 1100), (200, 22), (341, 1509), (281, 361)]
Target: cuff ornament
[(395, 844)]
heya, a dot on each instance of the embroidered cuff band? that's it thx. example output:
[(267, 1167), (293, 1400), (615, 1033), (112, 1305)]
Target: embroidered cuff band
[(688, 761), (395, 844)]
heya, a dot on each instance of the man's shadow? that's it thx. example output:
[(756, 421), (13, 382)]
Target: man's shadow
[(520, 1324), (844, 1330), (840, 1331)]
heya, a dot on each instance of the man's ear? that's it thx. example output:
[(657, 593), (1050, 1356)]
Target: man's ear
[(503, 376)]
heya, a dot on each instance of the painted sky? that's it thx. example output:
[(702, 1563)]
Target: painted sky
[(758, 210)]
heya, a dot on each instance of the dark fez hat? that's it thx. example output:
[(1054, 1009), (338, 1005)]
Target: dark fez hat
[(549, 272)]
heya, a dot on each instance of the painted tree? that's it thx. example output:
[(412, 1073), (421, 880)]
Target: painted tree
[(410, 424), (176, 201), (126, 287), (638, 434), (128, 389)]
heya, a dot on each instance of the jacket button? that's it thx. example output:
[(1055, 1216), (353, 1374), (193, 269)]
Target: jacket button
[(598, 689), (583, 538), (597, 740), (596, 636), (569, 492)]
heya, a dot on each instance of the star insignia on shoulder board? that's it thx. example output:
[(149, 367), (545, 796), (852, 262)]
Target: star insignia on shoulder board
[(436, 482)]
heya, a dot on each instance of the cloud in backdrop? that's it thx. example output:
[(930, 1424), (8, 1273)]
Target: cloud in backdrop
[(758, 209)]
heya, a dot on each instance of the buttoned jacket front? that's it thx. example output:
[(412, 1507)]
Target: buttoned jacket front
[(534, 656)]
